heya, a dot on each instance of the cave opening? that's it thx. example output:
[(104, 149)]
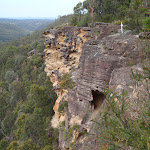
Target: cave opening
[(98, 98)]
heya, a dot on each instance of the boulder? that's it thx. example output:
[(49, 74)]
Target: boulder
[(86, 28), (32, 52), (144, 35), (53, 31)]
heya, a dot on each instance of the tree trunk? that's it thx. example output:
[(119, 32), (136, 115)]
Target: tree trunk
[(91, 5), (145, 3), (92, 9)]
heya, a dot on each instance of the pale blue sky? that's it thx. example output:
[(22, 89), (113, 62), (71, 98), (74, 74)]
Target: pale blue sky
[(36, 8)]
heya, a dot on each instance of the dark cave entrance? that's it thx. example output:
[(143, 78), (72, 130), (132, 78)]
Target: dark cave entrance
[(98, 98)]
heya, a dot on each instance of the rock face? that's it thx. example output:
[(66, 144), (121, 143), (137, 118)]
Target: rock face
[(64, 48), (96, 63), (32, 52), (144, 35)]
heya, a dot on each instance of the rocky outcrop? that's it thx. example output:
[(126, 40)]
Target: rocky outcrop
[(144, 35), (64, 48), (96, 62), (32, 52)]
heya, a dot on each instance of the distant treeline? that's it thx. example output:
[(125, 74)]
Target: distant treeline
[(11, 29)]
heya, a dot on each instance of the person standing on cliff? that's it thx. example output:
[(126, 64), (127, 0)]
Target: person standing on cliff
[(121, 28)]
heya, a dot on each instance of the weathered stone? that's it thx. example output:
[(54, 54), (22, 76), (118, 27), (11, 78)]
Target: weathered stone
[(144, 35), (42, 55), (48, 41), (32, 52), (65, 55), (46, 32), (94, 42), (56, 87), (108, 30), (63, 45), (98, 24), (53, 31), (64, 49), (86, 28)]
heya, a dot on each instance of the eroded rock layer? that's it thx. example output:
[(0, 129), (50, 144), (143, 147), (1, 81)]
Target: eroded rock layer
[(64, 48)]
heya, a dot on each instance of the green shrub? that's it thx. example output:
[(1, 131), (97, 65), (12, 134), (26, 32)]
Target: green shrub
[(20, 122), (55, 135), (72, 145), (3, 144), (66, 82), (74, 20), (84, 21), (116, 130), (63, 107), (48, 148), (62, 124), (10, 62), (37, 61), (10, 76), (17, 108), (146, 22), (12, 146), (67, 134), (28, 145), (108, 18)]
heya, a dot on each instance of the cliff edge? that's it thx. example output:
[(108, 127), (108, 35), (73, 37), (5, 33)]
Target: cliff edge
[(92, 60)]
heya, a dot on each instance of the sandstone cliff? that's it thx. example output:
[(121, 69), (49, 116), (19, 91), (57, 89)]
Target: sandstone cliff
[(97, 58)]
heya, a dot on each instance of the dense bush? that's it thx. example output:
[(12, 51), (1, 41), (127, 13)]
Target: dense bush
[(10, 76), (3, 144), (66, 82), (116, 130), (26, 96), (132, 12), (48, 148), (63, 107), (146, 22), (67, 135), (28, 145)]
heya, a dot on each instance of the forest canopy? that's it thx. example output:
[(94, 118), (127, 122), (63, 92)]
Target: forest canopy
[(134, 13)]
